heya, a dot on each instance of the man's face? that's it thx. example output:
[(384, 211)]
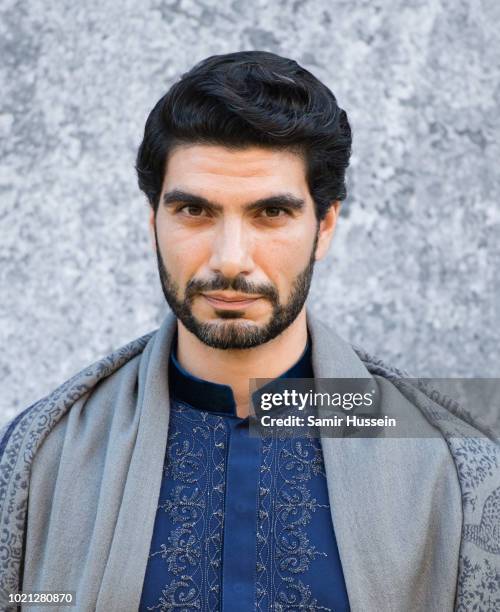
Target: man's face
[(236, 238)]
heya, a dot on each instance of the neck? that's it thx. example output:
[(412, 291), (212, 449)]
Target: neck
[(235, 367)]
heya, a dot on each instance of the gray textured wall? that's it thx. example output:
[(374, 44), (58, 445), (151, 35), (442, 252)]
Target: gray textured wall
[(412, 274)]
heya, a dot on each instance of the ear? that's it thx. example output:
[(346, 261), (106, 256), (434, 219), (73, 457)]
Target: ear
[(326, 229), (151, 226)]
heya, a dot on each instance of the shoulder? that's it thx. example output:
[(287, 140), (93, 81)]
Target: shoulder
[(472, 444), (440, 408), (27, 429)]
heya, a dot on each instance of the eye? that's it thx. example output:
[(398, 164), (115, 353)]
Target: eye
[(191, 210), (274, 211)]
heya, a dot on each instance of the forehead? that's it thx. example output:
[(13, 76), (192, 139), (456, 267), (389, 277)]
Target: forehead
[(235, 171)]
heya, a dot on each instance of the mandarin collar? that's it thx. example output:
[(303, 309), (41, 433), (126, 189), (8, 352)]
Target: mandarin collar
[(216, 397)]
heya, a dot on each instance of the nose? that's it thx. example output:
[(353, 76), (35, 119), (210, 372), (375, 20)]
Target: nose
[(230, 251)]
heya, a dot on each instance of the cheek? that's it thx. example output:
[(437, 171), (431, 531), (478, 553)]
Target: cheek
[(182, 252), (284, 257)]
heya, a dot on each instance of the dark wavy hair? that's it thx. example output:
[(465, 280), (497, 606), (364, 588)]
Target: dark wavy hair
[(250, 98)]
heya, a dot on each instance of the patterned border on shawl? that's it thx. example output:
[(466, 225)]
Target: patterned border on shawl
[(477, 461), (20, 441)]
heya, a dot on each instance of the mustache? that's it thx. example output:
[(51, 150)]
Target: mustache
[(238, 283)]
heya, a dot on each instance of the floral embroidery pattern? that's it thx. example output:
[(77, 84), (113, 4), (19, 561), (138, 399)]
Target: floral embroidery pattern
[(181, 594), (486, 534), (195, 466), (478, 587), (283, 547), (196, 449)]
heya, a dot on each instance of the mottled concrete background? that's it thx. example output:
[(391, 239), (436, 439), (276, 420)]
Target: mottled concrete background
[(413, 272)]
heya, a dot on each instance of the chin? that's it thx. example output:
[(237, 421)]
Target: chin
[(232, 322), (230, 317)]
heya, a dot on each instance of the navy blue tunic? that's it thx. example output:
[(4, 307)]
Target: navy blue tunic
[(243, 522)]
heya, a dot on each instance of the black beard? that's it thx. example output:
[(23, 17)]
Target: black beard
[(243, 335)]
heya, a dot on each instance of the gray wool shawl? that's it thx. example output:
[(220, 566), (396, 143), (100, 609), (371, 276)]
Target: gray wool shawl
[(417, 520)]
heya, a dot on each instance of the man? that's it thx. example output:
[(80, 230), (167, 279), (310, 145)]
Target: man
[(137, 484)]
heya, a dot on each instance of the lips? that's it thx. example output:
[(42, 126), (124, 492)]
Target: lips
[(229, 302), (228, 297)]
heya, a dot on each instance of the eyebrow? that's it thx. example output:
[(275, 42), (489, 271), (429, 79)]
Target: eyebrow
[(286, 200)]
